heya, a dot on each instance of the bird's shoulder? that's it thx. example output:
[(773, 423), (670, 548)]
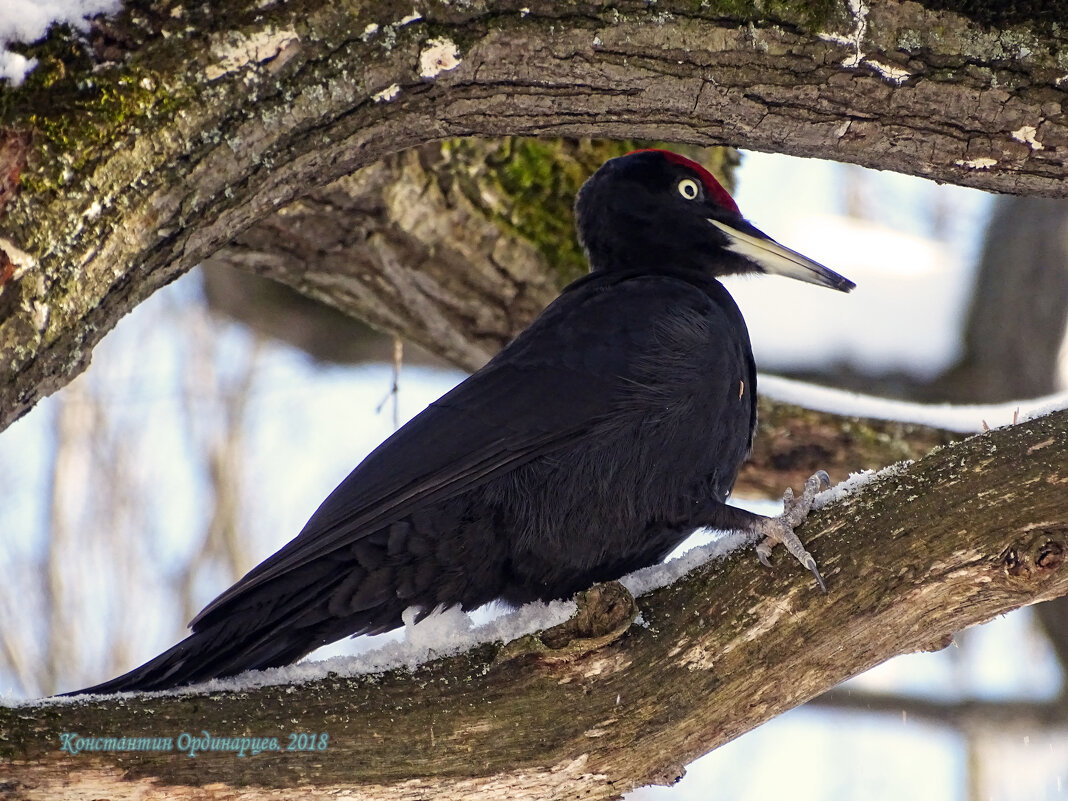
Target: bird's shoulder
[(604, 323)]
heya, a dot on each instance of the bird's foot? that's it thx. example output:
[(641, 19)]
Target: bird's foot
[(781, 528)]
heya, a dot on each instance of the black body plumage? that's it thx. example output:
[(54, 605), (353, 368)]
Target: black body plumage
[(593, 444)]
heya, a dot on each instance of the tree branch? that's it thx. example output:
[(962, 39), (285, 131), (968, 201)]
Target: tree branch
[(969, 532), (1017, 715), (136, 162), (792, 443)]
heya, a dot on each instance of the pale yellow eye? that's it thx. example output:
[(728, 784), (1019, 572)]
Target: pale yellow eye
[(689, 189)]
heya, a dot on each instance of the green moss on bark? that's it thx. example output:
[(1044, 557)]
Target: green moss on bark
[(528, 185)]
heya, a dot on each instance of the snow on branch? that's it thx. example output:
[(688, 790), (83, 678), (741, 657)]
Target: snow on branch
[(966, 533)]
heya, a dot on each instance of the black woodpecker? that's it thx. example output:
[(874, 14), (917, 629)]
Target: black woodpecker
[(591, 446)]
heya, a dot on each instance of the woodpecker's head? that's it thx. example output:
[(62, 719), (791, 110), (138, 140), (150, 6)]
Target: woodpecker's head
[(655, 207)]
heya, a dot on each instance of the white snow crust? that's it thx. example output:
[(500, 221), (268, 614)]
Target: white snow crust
[(29, 20), (969, 418)]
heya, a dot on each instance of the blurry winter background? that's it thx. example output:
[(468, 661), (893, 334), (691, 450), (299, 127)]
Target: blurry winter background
[(193, 448)]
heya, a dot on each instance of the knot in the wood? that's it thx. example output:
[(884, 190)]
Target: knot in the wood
[(1041, 559), (605, 612)]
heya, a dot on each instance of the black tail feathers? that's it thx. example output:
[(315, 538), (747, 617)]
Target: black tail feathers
[(270, 625), (208, 654)]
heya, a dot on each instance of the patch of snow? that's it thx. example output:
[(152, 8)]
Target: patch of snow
[(14, 67), (438, 631), (854, 484), (410, 18), (964, 418), (441, 634), (981, 163), (439, 55), (1026, 135), (387, 94), (647, 579), (29, 20)]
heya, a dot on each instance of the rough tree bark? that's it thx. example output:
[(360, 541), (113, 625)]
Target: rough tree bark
[(124, 166), (969, 532)]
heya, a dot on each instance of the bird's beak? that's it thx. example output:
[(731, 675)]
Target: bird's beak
[(772, 257)]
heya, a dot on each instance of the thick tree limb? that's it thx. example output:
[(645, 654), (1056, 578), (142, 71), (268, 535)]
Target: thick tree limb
[(135, 163), (455, 246), (968, 532)]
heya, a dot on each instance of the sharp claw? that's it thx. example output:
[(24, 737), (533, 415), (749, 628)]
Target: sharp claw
[(763, 550), (781, 529), (810, 563)]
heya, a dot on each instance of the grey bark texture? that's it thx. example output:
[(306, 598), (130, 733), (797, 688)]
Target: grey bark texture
[(126, 163)]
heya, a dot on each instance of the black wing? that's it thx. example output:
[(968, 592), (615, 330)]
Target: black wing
[(557, 380)]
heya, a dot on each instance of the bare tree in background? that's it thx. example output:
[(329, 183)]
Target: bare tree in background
[(1018, 319), (103, 546)]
